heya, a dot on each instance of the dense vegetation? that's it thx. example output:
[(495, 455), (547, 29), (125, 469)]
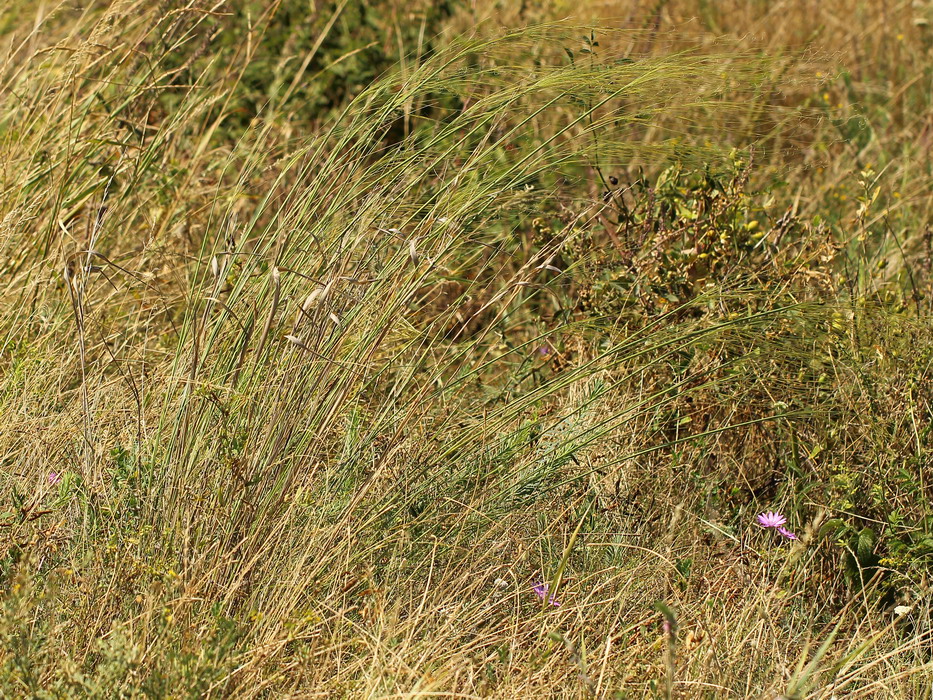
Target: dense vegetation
[(379, 349)]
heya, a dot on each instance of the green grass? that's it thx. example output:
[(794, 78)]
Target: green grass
[(328, 333)]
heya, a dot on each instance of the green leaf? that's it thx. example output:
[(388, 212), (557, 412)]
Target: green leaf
[(831, 528), (865, 548)]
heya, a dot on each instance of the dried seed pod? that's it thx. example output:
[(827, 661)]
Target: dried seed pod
[(295, 340), (312, 300)]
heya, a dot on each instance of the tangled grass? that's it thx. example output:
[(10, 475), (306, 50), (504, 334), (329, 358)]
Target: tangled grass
[(348, 352)]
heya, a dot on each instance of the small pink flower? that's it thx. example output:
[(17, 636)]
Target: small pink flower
[(783, 531), (54, 478), (540, 590), (771, 519)]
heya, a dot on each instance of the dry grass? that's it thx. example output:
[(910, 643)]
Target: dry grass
[(328, 334)]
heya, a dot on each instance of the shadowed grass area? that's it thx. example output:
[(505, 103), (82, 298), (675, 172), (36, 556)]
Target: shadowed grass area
[(348, 351)]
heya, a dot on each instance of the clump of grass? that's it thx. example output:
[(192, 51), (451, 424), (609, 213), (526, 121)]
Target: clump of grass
[(318, 403)]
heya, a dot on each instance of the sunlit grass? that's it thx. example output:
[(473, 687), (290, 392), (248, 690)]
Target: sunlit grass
[(311, 398)]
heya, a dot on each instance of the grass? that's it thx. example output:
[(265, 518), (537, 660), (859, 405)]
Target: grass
[(329, 333)]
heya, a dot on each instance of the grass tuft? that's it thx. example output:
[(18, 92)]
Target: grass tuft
[(450, 350)]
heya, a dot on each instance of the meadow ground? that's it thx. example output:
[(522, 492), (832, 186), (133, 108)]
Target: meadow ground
[(398, 350)]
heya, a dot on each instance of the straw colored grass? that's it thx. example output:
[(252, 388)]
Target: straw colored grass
[(329, 332)]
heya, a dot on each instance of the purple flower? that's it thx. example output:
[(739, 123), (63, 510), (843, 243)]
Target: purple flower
[(544, 351), (770, 519), (540, 590), (783, 531), (54, 477)]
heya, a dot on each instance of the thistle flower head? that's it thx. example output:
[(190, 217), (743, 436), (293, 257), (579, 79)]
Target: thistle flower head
[(771, 519)]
